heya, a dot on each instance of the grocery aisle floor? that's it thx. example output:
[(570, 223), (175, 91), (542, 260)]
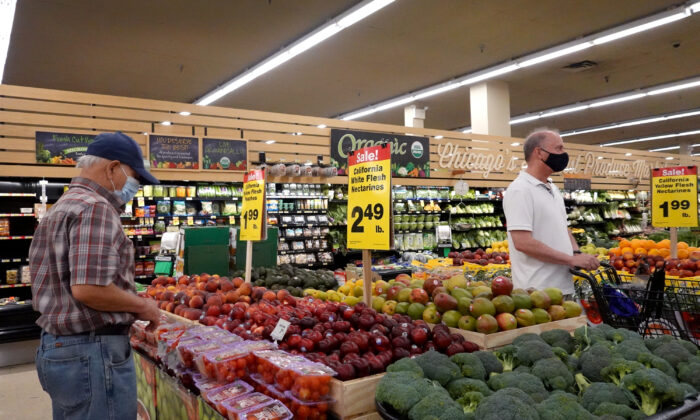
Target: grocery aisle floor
[(21, 396)]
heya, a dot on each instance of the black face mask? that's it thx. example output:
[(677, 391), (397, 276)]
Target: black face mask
[(557, 161)]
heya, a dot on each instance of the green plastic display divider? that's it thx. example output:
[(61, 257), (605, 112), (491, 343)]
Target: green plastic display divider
[(207, 250), (264, 252)]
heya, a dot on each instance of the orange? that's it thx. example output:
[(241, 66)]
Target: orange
[(635, 243), (626, 250), (649, 244), (641, 251), (654, 252), (665, 252), (682, 245), (624, 243), (616, 251), (683, 253), (666, 243)]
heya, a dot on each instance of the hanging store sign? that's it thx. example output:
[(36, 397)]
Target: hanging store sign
[(221, 154), (170, 152), (61, 148), (410, 155), (573, 182), (674, 197), (485, 162), (369, 198), (253, 217)]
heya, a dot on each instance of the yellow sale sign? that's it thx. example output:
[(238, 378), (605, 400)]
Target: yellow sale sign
[(674, 197), (369, 198), (253, 218)]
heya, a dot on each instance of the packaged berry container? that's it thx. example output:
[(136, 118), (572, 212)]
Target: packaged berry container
[(308, 410), (268, 363), (187, 353), (307, 381), (230, 363), (269, 389), (218, 396), (274, 410), (138, 330), (233, 408), (205, 385)]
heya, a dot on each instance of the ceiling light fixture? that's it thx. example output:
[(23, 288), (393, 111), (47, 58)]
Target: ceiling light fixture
[(515, 144), (346, 19), (321, 126), (166, 123), (269, 141), (467, 131), (669, 158), (185, 113), (7, 18), (682, 114), (618, 32), (628, 154), (663, 149), (643, 139), (438, 137), (609, 100)]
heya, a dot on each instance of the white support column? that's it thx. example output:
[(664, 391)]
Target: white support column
[(489, 103), (414, 116), (686, 149)]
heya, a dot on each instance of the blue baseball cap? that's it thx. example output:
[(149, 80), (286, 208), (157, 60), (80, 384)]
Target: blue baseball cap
[(119, 146)]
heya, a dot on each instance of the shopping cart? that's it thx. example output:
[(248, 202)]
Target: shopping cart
[(650, 305)]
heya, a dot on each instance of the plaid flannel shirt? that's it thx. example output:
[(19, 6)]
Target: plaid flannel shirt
[(80, 241)]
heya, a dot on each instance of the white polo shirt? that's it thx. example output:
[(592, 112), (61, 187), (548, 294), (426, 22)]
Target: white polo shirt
[(530, 204)]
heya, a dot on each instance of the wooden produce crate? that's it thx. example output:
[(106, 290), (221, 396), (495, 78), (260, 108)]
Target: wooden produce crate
[(503, 338), (355, 399)]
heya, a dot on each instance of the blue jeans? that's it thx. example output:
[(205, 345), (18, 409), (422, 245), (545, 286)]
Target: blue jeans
[(88, 376)]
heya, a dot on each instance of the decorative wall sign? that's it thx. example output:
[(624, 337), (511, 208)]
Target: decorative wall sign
[(170, 152), (222, 154), (61, 148), (410, 155)]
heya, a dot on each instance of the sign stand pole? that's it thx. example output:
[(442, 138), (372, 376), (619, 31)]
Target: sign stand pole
[(674, 242), (367, 274), (248, 260)]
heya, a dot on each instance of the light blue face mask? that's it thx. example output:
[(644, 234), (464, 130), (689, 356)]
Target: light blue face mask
[(129, 190)]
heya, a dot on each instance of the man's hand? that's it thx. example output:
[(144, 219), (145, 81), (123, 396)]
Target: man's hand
[(584, 261), (150, 312)]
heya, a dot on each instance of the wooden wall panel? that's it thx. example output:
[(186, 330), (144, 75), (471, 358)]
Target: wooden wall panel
[(25, 110)]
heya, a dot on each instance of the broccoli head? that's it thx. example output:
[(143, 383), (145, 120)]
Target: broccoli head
[(600, 392), (400, 396), (506, 355), (553, 373), (531, 351), (527, 337), (505, 407), (585, 337), (460, 386), (651, 361), (437, 406), (438, 367), (691, 347), (593, 360), (619, 410), (523, 368), (653, 389), (673, 352), (470, 365), (569, 360), (560, 338), (562, 406), (405, 364), (470, 400), (618, 369), (689, 372), (517, 393), (530, 384), (489, 361), (618, 335), (653, 343), (629, 349)]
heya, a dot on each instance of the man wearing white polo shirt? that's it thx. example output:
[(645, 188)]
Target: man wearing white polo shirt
[(542, 248)]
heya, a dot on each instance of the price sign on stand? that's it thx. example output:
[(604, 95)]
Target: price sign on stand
[(674, 197), (253, 220), (369, 206), (253, 216)]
